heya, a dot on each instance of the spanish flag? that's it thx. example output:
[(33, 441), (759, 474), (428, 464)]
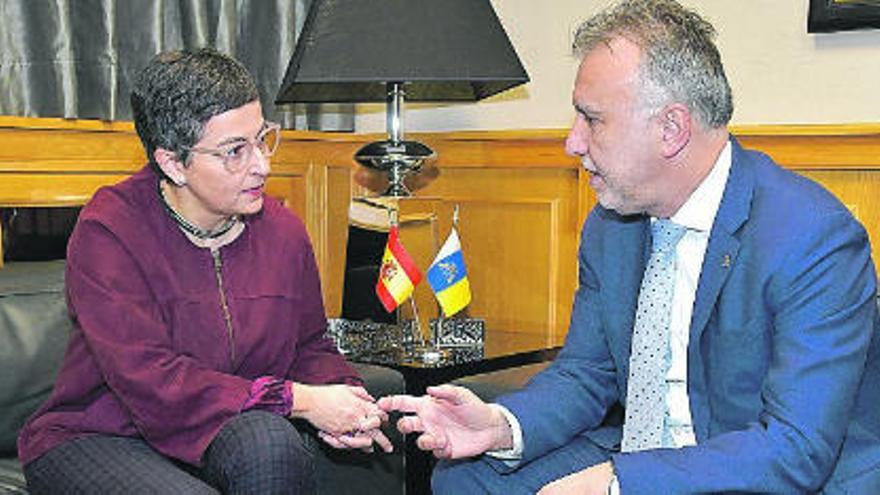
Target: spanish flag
[(448, 277), (398, 275)]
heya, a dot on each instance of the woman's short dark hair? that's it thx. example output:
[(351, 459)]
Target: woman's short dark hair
[(176, 94)]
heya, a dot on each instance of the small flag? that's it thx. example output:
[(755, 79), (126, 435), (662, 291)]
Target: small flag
[(448, 277), (398, 275)]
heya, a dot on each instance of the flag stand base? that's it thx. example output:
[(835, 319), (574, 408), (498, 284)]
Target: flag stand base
[(457, 332), (459, 340)]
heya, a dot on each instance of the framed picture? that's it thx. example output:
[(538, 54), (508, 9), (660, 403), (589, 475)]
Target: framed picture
[(843, 15)]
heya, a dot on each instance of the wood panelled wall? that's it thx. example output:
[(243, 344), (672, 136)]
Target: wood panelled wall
[(522, 200)]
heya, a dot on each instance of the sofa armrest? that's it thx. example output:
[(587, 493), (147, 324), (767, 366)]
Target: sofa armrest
[(341, 472), (34, 328), (379, 380), (11, 477), (489, 386)]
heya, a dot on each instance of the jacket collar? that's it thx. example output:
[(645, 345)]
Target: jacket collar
[(721, 257)]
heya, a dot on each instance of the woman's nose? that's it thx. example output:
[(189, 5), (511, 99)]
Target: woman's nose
[(259, 161)]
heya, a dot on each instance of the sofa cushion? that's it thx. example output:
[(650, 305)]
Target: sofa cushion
[(490, 386), (344, 472), (11, 477), (34, 328)]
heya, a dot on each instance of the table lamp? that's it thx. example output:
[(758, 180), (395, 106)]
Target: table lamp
[(352, 51)]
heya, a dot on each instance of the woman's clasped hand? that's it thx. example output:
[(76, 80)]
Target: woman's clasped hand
[(346, 416)]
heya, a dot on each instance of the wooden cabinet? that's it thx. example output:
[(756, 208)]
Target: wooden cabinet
[(522, 200)]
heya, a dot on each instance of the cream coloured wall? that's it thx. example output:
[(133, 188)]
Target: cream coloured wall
[(780, 74)]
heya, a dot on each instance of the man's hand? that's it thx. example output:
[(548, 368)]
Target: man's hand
[(337, 409), (591, 481), (453, 422)]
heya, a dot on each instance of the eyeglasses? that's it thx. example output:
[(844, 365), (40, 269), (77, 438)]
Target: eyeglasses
[(237, 155)]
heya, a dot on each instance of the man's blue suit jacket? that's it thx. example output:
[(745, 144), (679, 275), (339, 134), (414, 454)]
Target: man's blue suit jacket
[(783, 371)]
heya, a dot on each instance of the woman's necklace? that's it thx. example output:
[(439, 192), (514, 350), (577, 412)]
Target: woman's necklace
[(191, 229)]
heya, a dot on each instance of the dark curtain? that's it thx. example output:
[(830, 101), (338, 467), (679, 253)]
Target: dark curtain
[(77, 58)]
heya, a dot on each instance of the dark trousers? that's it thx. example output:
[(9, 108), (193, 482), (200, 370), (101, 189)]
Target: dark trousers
[(257, 452)]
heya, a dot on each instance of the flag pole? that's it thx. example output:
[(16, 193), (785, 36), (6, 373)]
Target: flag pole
[(392, 223), (455, 217), (435, 332), (416, 325), (392, 217), (441, 318)]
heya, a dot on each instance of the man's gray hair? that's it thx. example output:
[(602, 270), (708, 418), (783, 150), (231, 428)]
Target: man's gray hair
[(680, 62)]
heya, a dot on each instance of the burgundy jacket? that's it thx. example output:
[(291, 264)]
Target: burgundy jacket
[(151, 354)]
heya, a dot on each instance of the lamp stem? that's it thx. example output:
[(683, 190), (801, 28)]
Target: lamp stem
[(394, 112)]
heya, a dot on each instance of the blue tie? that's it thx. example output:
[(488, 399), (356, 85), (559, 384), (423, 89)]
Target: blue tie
[(643, 426)]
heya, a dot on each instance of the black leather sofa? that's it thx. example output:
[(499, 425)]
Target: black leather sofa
[(33, 335)]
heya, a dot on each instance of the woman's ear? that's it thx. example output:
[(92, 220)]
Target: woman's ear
[(675, 124), (171, 165)]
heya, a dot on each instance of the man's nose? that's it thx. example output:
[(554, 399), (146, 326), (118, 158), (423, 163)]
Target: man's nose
[(576, 141)]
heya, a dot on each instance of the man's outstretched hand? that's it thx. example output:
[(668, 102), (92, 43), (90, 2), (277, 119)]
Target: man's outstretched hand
[(452, 422)]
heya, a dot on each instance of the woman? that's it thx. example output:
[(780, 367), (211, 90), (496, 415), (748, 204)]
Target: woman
[(198, 321)]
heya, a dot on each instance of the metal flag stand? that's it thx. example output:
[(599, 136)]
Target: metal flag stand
[(437, 328), (411, 331), (450, 339), (456, 338), (428, 352)]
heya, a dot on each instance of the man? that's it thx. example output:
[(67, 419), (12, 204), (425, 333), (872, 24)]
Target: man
[(766, 375)]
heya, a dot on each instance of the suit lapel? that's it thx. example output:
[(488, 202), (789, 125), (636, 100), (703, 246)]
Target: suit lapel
[(720, 258), (721, 253)]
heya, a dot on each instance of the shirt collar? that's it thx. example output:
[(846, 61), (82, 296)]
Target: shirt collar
[(698, 212)]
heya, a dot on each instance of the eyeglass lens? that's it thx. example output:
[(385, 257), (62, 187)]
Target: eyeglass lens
[(267, 142), (269, 139)]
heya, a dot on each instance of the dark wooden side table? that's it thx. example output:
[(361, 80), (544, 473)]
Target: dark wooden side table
[(502, 350)]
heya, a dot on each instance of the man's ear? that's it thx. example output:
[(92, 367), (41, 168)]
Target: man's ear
[(675, 125), (171, 165)]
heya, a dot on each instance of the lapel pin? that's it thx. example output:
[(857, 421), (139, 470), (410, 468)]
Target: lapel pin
[(725, 263)]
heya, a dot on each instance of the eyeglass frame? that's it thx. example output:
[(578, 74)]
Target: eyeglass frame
[(257, 142)]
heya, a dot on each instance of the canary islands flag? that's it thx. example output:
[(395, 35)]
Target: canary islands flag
[(448, 277), (398, 275)]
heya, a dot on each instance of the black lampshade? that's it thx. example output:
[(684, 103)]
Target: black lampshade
[(442, 50)]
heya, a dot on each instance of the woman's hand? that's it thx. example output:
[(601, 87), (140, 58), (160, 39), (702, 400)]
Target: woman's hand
[(346, 416), (337, 409), (362, 440)]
